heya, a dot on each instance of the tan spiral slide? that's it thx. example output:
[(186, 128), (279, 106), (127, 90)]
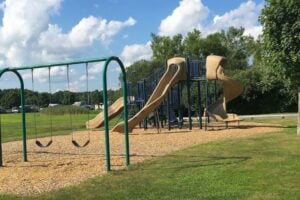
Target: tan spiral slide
[(113, 111), (176, 71), (231, 89)]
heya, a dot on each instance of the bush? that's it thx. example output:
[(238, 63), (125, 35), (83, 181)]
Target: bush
[(258, 97)]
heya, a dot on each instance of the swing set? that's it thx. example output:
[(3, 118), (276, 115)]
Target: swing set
[(38, 142), (74, 142)]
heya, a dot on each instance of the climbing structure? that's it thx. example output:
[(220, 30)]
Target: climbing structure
[(176, 71)]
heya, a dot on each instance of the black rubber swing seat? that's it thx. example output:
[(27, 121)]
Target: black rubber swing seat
[(39, 144), (76, 144)]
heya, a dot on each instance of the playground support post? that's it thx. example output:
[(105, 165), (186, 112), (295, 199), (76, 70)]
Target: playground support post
[(298, 126), (179, 104), (189, 93), (1, 162), (145, 121), (125, 117), (199, 104), (206, 104), (168, 111), (22, 113)]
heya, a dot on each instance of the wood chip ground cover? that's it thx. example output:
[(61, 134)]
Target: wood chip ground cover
[(62, 164)]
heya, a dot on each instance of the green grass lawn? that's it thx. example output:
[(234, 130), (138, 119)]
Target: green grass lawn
[(12, 130), (260, 167)]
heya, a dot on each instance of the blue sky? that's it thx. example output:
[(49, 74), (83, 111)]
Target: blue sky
[(47, 31)]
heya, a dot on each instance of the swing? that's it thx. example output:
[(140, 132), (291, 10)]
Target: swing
[(74, 142), (37, 142)]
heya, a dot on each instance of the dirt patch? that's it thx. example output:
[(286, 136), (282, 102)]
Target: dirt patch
[(62, 164)]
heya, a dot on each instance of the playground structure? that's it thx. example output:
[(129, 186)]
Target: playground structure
[(106, 62), (161, 93), (180, 72), (158, 95)]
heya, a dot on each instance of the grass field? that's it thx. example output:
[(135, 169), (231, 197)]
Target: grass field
[(11, 125), (261, 167)]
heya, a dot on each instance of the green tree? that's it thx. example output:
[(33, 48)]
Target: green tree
[(165, 47), (95, 97), (10, 98), (43, 99), (214, 44), (142, 69), (192, 44), (239, 47), (281, 40)]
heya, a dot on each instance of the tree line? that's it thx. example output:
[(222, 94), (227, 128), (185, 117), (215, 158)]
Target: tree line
[(11, 97)]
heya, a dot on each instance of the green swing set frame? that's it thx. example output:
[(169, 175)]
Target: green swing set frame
[(106, 61)]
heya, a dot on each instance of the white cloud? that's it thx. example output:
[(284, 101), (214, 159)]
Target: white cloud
[(135, 52), (75, 86), (93, 71), (254, 31), (27, 35), (187, 16), (192, 14), (246, 15), (91, 28)]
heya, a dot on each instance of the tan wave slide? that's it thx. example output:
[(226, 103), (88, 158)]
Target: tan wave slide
[(231, 89), (176, 71), (113, 111)]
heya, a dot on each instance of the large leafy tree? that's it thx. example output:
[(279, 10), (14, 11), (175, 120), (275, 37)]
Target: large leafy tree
[(214, 44), (281, 39), (239, 47), (165, 47), (142, 69), (192, 44), (195, 45)]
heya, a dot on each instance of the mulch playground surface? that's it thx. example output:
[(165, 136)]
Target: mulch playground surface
[(62, 164)]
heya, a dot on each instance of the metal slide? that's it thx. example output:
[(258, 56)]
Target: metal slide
[(231, 89), (176, 71), (113, 111)]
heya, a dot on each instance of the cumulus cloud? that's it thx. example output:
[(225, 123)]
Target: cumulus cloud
[(27, 35), (192, 14), (188, 15), (93, 70), (134, 52), (246, 15)]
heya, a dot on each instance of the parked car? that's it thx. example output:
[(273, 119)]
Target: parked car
[(86, 106), (30, 108), (15, 110)]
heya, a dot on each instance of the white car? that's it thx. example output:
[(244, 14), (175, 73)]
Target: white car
[(15, 110)]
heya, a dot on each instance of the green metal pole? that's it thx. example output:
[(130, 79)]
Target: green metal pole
[(1, 161), (23, 122), (127, 154), (106, 127), (23, 115), (1, 157)]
